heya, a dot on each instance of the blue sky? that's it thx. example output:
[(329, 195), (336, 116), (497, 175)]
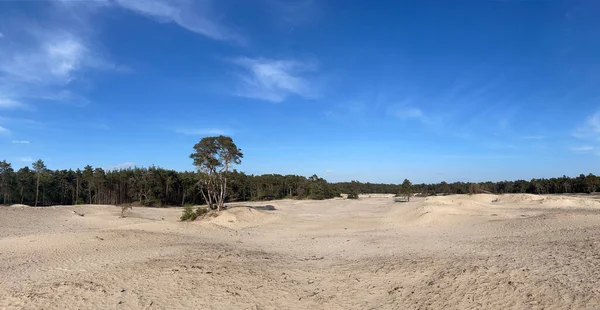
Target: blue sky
[(375, 91)]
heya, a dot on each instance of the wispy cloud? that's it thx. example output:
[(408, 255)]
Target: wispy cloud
[(21, 122), (328, 171), (498, 145), (20, 142), (407, 113), (588, 132), (124, 165), (195, 16), (26, 159), (274, 80), (295, 12), (98, 125), (8, 103), (45, 63), (202, 131), (585, 148), (590, 129), (4, 130), (534, 137)]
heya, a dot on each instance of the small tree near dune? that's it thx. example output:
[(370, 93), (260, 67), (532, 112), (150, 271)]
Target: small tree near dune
[(124, 208), (406, 189), (39, 169), (473, 188), (213, 157), (353, 194)]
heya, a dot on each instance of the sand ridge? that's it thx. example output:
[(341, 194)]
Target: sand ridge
[(456, 252)]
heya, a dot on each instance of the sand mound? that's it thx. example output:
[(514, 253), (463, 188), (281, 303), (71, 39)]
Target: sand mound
[(546, 200), (436, 212), (375, 195), (456, 210), (243, 217), (19, 206)]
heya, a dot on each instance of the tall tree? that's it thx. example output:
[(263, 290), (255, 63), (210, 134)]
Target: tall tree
[(213, 157), (39, 169), (5, 175), (88, 177), (406, 189)]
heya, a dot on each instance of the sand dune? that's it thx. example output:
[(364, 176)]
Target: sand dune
[(243, 217), (457, 252)]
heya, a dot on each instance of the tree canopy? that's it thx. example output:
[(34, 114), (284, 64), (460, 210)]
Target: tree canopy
[(213, 156), (406, 189), (155, 186)]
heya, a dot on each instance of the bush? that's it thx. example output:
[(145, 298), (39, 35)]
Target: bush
[(124, 208), (151, 203), (353, 195), (201, 211), (188, 213)]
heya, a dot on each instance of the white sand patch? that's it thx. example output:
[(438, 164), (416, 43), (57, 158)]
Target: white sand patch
[(452, 252)]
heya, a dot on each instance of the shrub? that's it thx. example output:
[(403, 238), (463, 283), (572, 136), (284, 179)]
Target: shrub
[(188, 213), (353, 195), (151, 203), (123, 208), (201, 211)]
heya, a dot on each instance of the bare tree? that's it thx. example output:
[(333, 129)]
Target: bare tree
[(123, 208)]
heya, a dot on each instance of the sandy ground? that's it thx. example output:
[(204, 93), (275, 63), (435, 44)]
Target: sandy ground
[(460, 252)]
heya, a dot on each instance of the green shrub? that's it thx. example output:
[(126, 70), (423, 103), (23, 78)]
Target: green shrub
[(190, 215), (353, 195), (201, 211), (188, 212), (151, 203)]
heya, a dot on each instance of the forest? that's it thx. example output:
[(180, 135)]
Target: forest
[(155, 186)]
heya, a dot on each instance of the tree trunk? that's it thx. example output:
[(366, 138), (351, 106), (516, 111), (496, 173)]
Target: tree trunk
[(77, 192), (37, 190)]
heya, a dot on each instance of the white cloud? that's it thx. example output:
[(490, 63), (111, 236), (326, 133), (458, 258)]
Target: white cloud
[(53, 61), (20, 142), (589, 133), (4, 130), (26, 159), (21, 122), (8, 103), (585, 148), (201, 131), (46, 61), (405, 113), (328, 171), (274, 80), (295, 12), (124, 165), (49, 57), (195, 16), (590, 129), (533, 137)]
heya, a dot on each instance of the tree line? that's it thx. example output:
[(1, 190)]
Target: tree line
[(589, 183), (152, 186), (155, 186)]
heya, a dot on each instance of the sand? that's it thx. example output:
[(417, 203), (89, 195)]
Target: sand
[(454, 252)]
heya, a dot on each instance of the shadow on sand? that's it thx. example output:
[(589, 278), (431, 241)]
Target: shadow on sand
[(263, 208)]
